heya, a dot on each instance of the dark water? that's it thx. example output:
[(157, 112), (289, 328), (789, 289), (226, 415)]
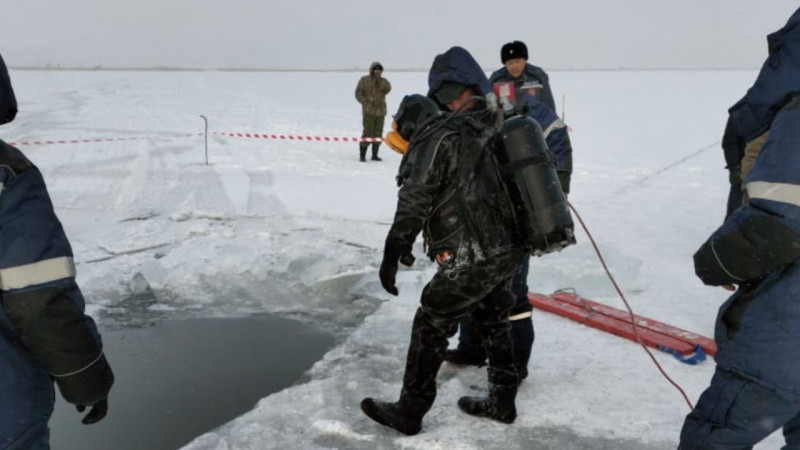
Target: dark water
[(178, 379)]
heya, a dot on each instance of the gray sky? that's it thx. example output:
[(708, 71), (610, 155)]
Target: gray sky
[(348, 34)]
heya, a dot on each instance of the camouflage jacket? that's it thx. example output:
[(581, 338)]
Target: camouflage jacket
[(371, 93)]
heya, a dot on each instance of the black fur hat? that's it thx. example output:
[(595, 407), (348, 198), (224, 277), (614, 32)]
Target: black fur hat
[(516, 49)]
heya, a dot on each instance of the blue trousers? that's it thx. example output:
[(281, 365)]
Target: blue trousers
[(735, 413), (36, 438), (27, 397)]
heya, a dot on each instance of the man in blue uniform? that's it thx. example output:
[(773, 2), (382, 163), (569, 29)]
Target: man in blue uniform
[(755, 389), (44, 334), (516, 69)]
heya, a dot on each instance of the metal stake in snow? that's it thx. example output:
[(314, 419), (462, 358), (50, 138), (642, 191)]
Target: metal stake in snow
[(206, 135)]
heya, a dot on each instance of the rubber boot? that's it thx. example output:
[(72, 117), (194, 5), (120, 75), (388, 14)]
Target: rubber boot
[(498, 406), (363, 150), (502, 374), (523, 335), (375, 146), (470, 351), (425, 355), (463, 356), (404, 415)]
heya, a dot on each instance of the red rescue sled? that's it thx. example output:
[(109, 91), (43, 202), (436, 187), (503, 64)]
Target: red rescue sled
[(603, 317)]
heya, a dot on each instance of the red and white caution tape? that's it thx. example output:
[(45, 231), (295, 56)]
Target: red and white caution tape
[(281, 137), (96, 140), (297, 137)]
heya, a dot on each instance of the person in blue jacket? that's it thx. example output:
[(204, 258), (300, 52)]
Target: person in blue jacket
[(45, 337), (516, 69), (755, 389), (469, 350)]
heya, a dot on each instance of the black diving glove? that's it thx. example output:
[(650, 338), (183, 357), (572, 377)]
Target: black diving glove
[(388, 271), (389, 266), (96, 414)]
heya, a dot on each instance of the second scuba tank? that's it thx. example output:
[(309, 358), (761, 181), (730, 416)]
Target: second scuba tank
[(528, 170)]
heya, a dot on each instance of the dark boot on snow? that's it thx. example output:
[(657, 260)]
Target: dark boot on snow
[(400, 415), (498, 406), (465, 357), (375, 146), (362, 148), (522, 372)]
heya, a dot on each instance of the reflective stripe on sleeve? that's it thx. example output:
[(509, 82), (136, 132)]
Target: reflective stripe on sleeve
[(779, 192), (39, 272), (558, 123)]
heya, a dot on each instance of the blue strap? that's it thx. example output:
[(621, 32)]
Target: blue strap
[(698, 356)]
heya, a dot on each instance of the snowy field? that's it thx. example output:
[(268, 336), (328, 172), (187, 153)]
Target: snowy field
[(296, 228)]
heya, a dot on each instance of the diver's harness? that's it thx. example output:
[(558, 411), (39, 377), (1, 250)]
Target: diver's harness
[(516, 154)]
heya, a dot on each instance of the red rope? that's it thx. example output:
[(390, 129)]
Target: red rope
[(630, 311)]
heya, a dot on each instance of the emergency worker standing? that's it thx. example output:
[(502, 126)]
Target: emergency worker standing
[(371, 93), (755, 389), (469, 350), (517, 69), (44, 334), (468, 233)]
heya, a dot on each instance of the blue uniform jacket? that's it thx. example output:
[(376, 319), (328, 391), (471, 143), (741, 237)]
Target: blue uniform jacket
[(531, 73), (758, 248), (758, 332), (777, 81), (555, 133), (44, 333)]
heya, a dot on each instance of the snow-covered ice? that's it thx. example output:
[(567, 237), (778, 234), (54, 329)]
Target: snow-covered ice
[(296, 228)]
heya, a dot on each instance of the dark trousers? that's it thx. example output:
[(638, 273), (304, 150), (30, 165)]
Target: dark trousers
[(735, 414), (522, 332), (483, 292), (373, 128)]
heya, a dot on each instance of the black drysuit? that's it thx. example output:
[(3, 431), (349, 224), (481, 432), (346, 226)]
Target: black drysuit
[(451, 193)]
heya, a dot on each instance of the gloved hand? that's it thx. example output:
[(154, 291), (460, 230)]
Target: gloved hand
[(388, 270), (746, 248), (89, 387), (389, 266), (735, 175), (96, 414)]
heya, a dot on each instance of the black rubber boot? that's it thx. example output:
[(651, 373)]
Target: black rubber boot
[(363, 150), (402, 415), (523, 336), (425, 352), (498, 406), (466, 357), (375, 146), (522, 371)]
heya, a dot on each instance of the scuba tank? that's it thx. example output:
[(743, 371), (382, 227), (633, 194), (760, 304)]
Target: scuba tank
[(528, 170)]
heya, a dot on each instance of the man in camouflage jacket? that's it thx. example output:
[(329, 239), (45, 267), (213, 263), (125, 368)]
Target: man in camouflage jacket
[(371, 93)]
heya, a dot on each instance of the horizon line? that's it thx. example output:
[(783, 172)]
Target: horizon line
[(348, 70)]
